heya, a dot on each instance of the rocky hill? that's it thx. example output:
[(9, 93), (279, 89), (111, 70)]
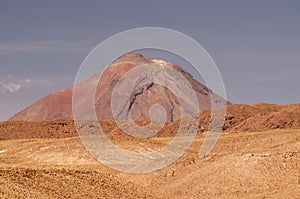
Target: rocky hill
[(58, 105), (239, 118)]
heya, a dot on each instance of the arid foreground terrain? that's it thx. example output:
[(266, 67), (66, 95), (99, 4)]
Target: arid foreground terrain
[(51, 162)]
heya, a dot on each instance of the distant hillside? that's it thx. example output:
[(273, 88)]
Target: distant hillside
[(239, 118)]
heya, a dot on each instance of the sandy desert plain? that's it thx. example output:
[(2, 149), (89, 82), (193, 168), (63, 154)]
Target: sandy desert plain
[(46, 159)]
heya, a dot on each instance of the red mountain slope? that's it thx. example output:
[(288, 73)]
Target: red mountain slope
[(59, 104)]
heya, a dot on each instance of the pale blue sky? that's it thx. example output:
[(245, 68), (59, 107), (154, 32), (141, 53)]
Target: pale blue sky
[(256, 44)]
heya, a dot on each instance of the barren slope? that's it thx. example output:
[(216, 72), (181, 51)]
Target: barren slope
[(239, 118), (58, 105), (242, 165)]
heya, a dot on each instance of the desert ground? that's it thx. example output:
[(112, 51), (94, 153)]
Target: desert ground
[(263, 164)]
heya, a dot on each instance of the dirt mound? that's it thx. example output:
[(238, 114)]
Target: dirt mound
[(261, 117)]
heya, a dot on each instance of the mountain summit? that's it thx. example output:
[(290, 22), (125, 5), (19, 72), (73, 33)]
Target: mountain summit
[(58, 105)]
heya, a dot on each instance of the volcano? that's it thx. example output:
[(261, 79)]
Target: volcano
[(58, 105)]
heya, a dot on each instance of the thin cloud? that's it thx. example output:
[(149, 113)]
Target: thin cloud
[(55, 46), (9, 87), (25, 80), (13, 87)]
